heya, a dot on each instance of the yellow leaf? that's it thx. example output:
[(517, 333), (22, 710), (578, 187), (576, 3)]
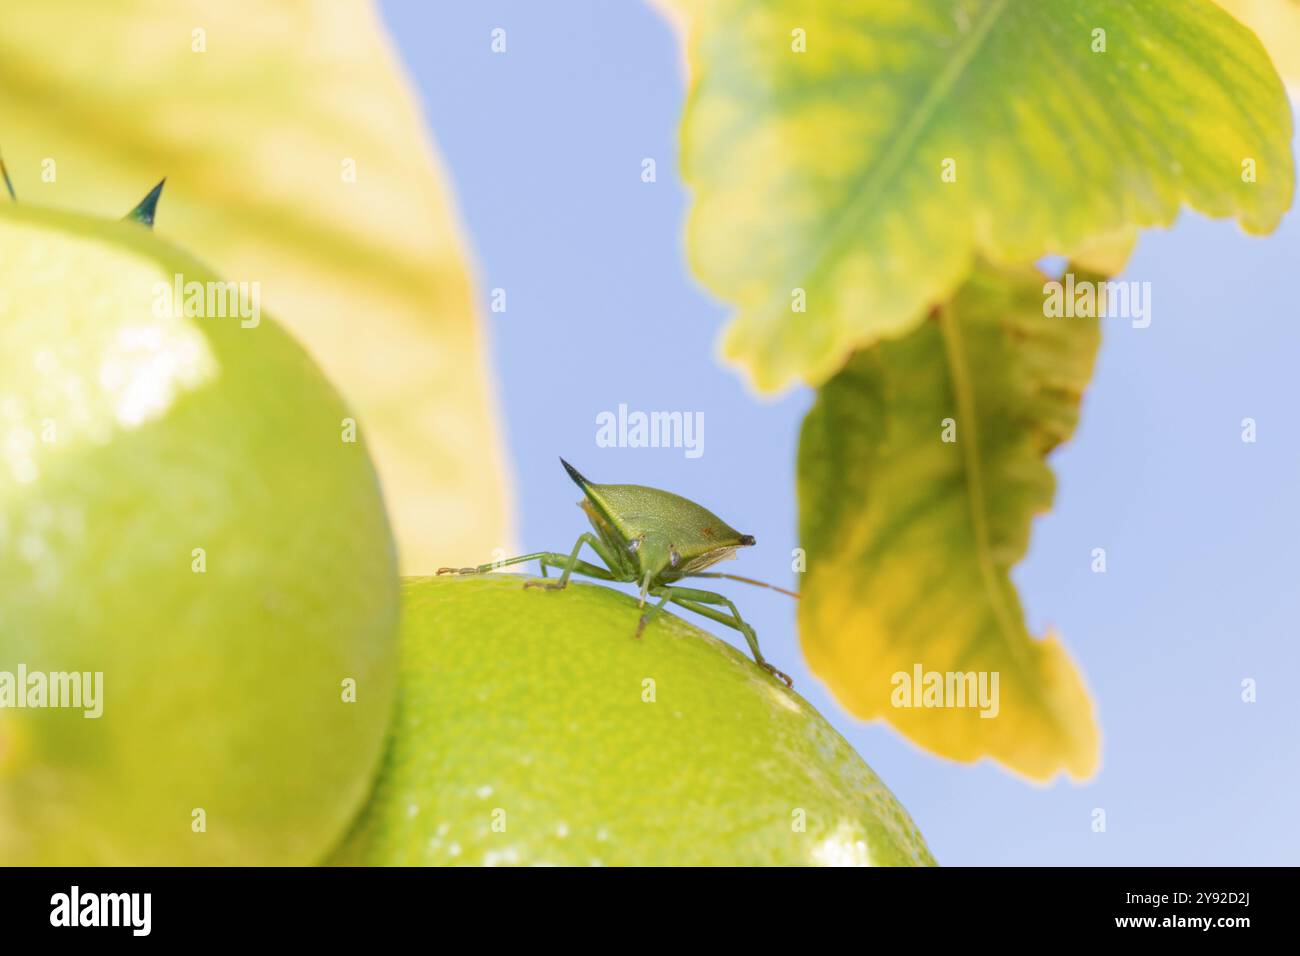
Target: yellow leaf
[(259, 114), (921, 466), (857, 158)]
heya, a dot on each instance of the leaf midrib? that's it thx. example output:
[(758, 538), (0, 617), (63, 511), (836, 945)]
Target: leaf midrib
[(969, 444), (868, 187)]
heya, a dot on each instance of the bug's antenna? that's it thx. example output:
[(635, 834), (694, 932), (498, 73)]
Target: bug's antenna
[(737, 577), (8, 185)]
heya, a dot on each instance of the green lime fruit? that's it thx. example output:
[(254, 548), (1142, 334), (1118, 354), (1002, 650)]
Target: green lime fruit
[(533, 728), (189, 536)]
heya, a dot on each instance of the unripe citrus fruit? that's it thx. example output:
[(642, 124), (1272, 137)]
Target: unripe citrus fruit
[(180, 511), (532, 728)]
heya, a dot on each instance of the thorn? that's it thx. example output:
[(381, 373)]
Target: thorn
[(8, 185), (144, 212)]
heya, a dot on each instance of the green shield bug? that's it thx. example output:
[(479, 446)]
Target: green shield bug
[(652, 538)]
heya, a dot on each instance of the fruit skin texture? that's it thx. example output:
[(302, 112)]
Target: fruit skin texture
[(531, 702), (222, 690)]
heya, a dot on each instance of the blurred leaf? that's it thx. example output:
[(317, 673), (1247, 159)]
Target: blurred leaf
[(255, 121), (822, 170), (1277, 24), (910, 539)]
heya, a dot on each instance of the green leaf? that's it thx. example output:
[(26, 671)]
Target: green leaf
[(823, 170), (910, 538), (258, 114)]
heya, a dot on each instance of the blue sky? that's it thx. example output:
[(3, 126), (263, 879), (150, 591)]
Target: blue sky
[(544, 147)]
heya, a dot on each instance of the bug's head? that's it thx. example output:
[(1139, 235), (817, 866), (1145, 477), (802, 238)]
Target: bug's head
[(746, 540)]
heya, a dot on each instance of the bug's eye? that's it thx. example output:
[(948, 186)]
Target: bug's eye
[(673, 556)]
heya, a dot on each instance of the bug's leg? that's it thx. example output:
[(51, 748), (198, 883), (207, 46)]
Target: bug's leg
[(700, 602), (485, 568), (544, 558), (556, 560), (663, 594), (571, 563)]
